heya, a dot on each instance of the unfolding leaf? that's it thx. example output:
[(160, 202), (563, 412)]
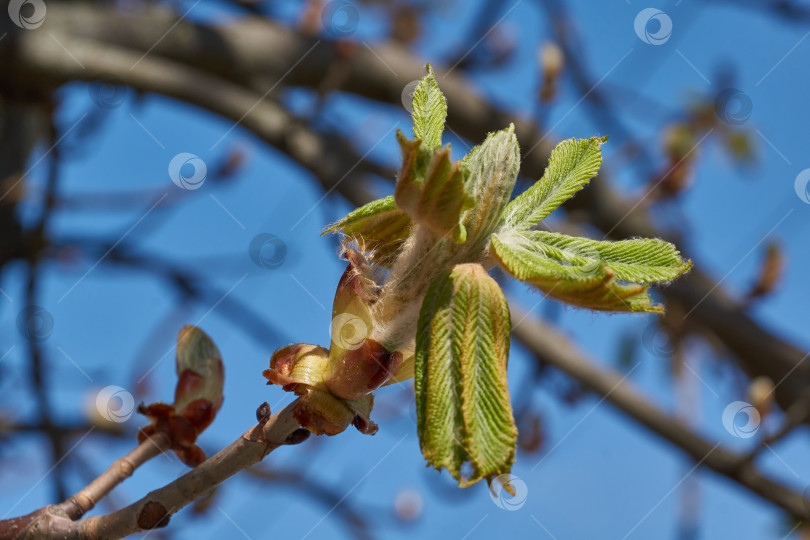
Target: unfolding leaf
[(378, 226), (491, 170), (572, 165), (429, 112), (642, 260), (464, 416), (576, 275), (436, 199)]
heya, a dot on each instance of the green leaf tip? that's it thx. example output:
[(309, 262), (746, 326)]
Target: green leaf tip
[(464, 417), (571, 166), (429, 111)]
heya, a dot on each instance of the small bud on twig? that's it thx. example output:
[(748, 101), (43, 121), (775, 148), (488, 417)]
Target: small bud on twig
[(197, 396)]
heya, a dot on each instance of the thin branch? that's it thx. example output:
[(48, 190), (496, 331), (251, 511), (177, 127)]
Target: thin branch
[(795, 415), (156, 508), (328, 497), (555, 349), (121, 469)]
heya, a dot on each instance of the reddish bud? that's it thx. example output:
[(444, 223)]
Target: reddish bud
[(197, 397), (199, 368), (358, 372)]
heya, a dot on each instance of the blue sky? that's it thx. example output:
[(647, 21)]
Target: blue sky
[(596, 463)]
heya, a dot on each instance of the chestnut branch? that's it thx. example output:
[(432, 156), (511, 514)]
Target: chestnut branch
[(156, 508)]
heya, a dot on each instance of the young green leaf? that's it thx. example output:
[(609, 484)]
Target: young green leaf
[(642, 260), (462, 399), (436, 200), (429, 112), (572, 165), (577, 274), (378, 226), (491, 170)]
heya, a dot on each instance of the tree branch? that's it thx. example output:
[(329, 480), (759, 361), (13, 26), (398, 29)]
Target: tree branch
[(555, 349), (121, 469), (156, 508)]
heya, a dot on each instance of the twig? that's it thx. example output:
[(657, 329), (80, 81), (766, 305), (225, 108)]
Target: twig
[(156, 508), (555, 349), (795, 415), (121, 469)]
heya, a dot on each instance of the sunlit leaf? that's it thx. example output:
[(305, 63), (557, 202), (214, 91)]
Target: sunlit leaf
[(436, 199), (379, 226), (429, 112), (491, 170), (586, 273), (465, 421), (572, 165)]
